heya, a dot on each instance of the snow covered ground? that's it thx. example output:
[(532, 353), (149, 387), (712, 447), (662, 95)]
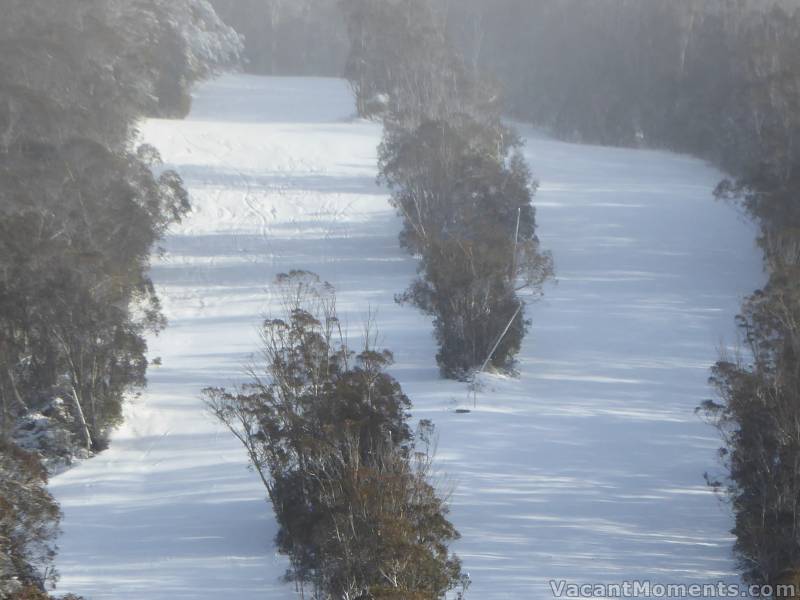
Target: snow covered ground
[(588, 467)]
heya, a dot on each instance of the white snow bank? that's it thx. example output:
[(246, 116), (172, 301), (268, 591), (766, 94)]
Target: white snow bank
[(588, 467)]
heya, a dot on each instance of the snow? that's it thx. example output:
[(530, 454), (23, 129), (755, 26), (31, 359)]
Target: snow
[(588, 467)]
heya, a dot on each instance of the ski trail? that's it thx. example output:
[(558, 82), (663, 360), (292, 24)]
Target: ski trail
[(587, 467)]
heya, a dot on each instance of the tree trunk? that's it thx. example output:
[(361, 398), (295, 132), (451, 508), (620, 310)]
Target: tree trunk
[(82, 420), (15, 390)]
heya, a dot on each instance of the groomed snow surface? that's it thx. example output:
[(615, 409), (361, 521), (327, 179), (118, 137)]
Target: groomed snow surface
[(588, 467)]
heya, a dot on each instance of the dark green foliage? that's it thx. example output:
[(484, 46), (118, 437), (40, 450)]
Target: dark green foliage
[(402, 62), (80, 210), (78, 225), (758, 415), (92, 68), (465, 193), (327, 431), (716, 79), (451, 178), (720, 80), (457, 177)]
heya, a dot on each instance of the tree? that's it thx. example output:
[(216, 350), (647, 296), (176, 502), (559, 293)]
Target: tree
[(758, 415), (80, 206), (77, 264), (29, 520), (80, 210), (289, 37), (327, 431), (465, 194), (191, 44), (400, 52), (457, 177)]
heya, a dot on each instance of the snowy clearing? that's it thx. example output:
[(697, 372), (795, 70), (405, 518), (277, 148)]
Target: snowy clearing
[(588, 467)]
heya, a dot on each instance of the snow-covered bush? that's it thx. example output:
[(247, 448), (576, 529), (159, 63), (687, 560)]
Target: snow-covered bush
[(50, 433), (179, 42)]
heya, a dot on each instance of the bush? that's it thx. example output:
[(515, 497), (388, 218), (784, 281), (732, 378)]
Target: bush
[(757, 413), (465, 193), (399, 50), (29, 519), (457, 179), (327, 431)]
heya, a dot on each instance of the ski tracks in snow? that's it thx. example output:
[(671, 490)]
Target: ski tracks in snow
[(587, 467)]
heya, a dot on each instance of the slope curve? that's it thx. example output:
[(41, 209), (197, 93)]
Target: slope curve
[(588, 467)]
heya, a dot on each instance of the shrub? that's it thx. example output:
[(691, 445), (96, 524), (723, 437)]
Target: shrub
[(327, 431)]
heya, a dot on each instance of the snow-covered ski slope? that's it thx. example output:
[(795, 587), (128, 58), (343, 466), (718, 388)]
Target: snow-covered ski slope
[(588, 466)]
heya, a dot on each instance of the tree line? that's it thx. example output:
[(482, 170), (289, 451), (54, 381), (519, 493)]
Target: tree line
[(327, 430), (289, 37), (458, 180), (81, 207), (721, 80), (456, 172)]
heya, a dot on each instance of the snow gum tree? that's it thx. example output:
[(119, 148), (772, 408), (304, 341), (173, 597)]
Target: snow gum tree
[(457, 177), (81, 205), (29, 520), (80, 209), (720, 80), (327, 431), (401, 62), (465, 194), (758, 415)]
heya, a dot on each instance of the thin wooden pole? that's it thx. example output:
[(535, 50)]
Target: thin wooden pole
[(500, 339), (516, 242)]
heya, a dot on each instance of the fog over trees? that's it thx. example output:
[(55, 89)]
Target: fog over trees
[(289, 37), (80, 210), (716, 79), (326, 427), (457, 179)]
